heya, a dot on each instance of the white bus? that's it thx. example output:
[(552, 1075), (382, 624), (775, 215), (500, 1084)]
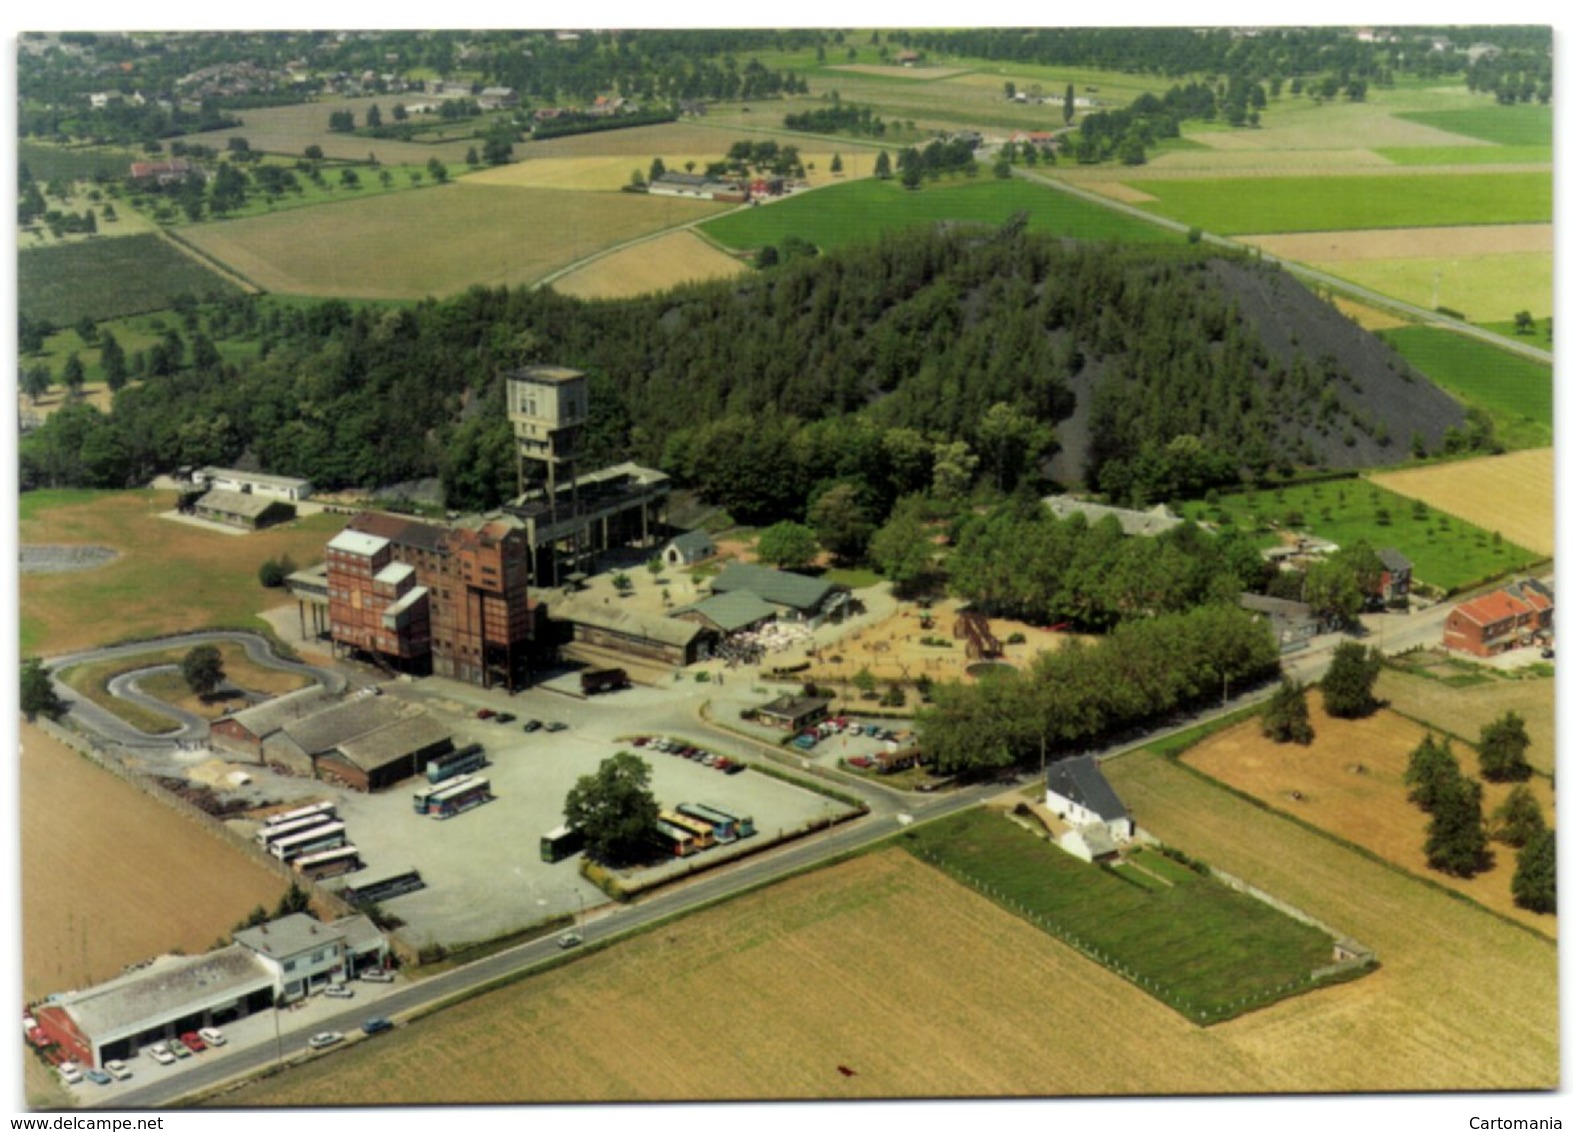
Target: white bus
[(329, 836), (327, 809), (328, 863), (269, 835)]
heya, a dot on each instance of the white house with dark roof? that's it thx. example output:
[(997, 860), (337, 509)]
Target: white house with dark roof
[(688, 548), (1077, 793), (303, 954)]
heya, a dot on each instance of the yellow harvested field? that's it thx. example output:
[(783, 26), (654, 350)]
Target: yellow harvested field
[(655, 265), (111, 877), (610, 172), (891, 969), (1464, 711), (1349, 781), (438, 241), (1488, 288), (1403, 243), (1512, 493), (1125, 194), (1463, 1000)]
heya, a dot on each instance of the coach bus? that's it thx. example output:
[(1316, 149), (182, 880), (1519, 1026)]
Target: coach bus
[(671, 839), (454, 763), (742, 826), (327, 809), (270, 835), (559, 843), (329, 836), (724, 826), (424, 794), (457, 799), (328, 863), (703, 835)]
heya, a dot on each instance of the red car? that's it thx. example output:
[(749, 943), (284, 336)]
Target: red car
[(485, 713), (722, 762), (193, 1041)]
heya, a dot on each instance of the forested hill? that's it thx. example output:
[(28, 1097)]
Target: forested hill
[(1156, 371)]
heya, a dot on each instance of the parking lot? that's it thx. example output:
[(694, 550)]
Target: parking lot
[(483, 869)]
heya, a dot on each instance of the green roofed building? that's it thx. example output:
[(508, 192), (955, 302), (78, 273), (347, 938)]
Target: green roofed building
[(796, 597), (730, 612)]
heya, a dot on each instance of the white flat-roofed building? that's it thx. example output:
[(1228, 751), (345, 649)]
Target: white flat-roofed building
[(252, 483)]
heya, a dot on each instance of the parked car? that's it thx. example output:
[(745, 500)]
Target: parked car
[(119, 1070), (721, 762), (375, 1025), (556, 725), (806, 741), (212, 1035), (376, 975), (193, 1041), (735, 767), (485, 713), (97, 1076), (504, 717), (339, 990), (641, 740), (71, 1073), (532, 725), (159, 1052), (708, 759), (178, 1048), (324, 1039), (860, 761), (1548, 654), (569, 939)]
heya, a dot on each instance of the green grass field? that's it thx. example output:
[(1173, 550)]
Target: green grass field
[(1468, 155), (61, 284), (46, 162), (1193, 943), (1259, 205), (1515, 390), (862, 210), (1446, 551), (1503, 125)]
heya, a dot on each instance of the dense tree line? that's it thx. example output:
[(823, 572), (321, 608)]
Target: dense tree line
[(762, 392), (838, 118), (1142, 672)]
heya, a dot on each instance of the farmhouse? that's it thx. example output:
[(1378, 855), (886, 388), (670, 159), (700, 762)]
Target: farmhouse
[(687, 549), (1516, 615), (249, 512), (796, 597), (1078, 794), (252, 483), (165, 172), (699, 187)]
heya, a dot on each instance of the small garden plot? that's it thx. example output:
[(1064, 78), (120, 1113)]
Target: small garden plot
[(1194, 944)]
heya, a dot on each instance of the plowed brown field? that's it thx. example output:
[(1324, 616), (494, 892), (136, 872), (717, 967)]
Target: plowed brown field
[(111, 877), (1513, 493), (923, 989), (1349, 781)]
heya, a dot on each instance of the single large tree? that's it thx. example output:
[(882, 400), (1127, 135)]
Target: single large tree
[(841, 522), (1432, 766), (1503, 742), (1518, 818), (614, 808), (1456, 835), (203, 669), (1535, 879), (38, 692), (1346, 689), (1288, 716), (788, 545), (903, 548)]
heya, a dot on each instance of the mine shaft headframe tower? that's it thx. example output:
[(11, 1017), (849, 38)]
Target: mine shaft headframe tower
[(549, 407)]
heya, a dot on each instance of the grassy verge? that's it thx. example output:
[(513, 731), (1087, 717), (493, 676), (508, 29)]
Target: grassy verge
[(1202, 948)]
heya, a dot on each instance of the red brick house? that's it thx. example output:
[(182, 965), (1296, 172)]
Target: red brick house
[(1515, 615)]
